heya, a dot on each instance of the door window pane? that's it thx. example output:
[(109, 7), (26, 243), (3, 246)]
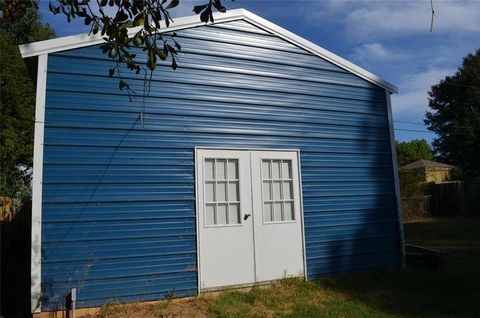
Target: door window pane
[(288, 211), (286, 169), (276, 169), (234, 213), (267, 190), (220, 169), (267, 211), (277, 212), (210, 191), (287, 190), (221, 188), (221, 192), (233, 191), (210, 214), (266, 169), (221, 214), (232, 169), (209, 169), (277, 191)]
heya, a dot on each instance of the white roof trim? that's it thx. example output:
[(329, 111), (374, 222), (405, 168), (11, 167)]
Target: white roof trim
[(82, 40)]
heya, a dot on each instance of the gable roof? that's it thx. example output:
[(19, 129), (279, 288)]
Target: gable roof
[(82, 40), (422, 163)]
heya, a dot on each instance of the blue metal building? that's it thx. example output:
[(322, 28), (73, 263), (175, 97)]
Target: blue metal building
[(261, 152)]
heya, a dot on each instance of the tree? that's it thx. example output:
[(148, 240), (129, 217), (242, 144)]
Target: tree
[(410, 151), (17, 102), (455, 116), (113, 19)]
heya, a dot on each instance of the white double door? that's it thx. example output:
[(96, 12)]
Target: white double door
[(249, 217)]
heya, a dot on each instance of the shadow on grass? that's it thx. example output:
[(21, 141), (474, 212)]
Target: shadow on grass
[(453, 290), (450, 291)]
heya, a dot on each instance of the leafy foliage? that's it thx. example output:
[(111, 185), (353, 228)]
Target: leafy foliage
[(17, 100), (410, 151), (413, 189), (455, 116), (126, 25), (12, 10)]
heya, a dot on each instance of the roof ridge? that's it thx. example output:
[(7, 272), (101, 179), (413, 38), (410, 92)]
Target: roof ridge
[(86, 39), (425, 163)]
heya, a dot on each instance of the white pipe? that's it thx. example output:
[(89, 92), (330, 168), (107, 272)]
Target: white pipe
[(74, 300)]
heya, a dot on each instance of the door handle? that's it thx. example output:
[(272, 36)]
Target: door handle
[(246, 216)]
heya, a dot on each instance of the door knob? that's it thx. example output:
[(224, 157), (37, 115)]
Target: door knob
[(245, 217)]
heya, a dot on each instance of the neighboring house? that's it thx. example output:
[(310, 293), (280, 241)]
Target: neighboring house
[(434, 171), (262, 156)]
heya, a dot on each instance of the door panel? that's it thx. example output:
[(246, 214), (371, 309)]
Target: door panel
[(225, 238), (277, 215), (249, 216)]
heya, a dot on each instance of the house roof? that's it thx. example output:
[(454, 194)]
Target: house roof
[(82, 40), (422, 163)]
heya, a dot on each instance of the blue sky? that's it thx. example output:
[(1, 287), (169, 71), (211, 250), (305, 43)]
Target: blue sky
[(390, 38)]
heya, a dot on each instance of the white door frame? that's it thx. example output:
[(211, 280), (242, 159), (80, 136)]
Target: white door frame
[(197, 203)]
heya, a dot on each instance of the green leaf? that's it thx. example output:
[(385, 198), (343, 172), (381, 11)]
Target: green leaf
[(151, 62), (111, 72), (198, 9), (162, 55), (121, 16), (218, 5), (95, 28), (137, 40), (113, 52), (139, 20), (204, 17), (173, 4), (178, 46)]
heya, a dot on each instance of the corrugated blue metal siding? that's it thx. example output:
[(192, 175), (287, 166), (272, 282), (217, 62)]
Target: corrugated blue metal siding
[(118, 193)]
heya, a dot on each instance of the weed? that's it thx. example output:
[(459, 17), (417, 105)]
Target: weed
[(110, 309)]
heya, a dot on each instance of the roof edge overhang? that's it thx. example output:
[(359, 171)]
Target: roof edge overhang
[(86, 39)]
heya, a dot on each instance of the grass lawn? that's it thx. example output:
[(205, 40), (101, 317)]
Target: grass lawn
[(452, 290)]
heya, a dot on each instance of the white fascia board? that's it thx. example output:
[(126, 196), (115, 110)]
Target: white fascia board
[(317, 50), (36, 251), (87, 39), (82, 40)]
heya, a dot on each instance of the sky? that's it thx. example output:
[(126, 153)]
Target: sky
[(390, 38)]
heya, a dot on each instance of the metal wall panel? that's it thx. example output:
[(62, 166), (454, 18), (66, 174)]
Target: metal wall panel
[(118, 189)]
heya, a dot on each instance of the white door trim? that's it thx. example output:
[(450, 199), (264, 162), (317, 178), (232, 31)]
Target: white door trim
[(197, 205)]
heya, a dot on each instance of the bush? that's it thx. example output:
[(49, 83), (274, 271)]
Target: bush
[(412, 189)]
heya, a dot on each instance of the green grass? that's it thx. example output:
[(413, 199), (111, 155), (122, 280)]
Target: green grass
[(450, 291)]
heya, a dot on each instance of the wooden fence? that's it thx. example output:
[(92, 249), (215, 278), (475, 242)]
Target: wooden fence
[(444, 199)]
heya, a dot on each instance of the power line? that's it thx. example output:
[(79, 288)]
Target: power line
[(432, 132), (408, 122), (460, 85), (419, 124)]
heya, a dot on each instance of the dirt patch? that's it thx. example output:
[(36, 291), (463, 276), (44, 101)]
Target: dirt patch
[(186, 307)]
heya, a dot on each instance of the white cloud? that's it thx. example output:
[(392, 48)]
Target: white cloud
[(394, 17), (412, 101), (373, 51)]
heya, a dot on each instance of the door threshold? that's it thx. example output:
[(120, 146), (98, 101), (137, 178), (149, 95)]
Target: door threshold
[(245, 286)]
